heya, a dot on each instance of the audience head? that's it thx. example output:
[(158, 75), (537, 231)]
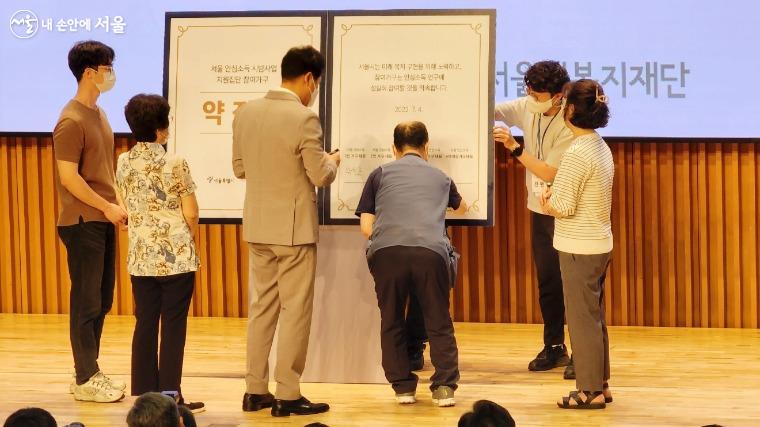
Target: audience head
[(486, 414), (148, 118), (30, 417), (586, 105), (154, 410)]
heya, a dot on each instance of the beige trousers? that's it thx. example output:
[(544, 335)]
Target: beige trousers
[(280, 287)]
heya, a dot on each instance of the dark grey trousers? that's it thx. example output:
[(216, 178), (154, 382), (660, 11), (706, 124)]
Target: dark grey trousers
[(583, 283), (400, 271)]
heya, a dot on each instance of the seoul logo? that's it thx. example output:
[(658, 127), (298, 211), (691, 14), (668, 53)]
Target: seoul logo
[(24, 24)]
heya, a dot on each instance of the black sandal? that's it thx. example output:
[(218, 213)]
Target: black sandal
[(580, 403), (606, 386)]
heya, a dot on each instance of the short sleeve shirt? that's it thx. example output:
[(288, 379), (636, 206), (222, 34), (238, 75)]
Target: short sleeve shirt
[(83, 136), (152, 184), (409, 198), (367, 199), (546, 137)]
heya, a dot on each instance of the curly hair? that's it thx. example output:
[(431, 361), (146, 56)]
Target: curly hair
[(145, 115), (546, 76), (590, 110)]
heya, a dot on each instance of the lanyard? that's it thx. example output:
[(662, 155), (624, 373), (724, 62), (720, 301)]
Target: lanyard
[(539, 138)]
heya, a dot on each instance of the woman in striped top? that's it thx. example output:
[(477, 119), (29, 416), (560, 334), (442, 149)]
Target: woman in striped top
[(581, 200)]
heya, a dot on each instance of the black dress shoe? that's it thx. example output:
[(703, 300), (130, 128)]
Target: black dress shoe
[(193, 407), (302, 406), (256, 402)]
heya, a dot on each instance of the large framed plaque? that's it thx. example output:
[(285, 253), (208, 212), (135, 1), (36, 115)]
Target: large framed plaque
[(391, 66), (215, 62)]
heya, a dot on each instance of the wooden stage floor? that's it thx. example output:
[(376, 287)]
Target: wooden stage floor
[(660, 376)]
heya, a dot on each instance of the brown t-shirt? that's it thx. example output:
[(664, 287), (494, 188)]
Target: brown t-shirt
[(83, 136)]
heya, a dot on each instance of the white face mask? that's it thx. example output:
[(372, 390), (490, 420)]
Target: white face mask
[(109, 80), (313, 95), (539, 107)]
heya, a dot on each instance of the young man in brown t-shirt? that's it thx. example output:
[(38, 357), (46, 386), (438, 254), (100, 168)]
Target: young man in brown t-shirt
[(84, 148)]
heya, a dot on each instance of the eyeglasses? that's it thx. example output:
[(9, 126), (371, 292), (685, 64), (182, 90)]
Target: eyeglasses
[(106, 68)]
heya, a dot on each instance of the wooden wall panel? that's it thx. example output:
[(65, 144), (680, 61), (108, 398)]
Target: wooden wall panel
[(685, 221)]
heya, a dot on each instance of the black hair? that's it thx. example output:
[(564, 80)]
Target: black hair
[(89, 54), (486, 414), (30, 417), (590, 110), (153, 410), (411, 134), (546, 76), (145, 115), (301, 60)]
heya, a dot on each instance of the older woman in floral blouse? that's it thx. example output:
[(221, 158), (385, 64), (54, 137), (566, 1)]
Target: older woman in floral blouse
[(158, 192)]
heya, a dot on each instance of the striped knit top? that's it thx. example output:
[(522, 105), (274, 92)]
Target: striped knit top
[(582, 195)]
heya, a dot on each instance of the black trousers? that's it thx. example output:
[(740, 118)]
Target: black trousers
[(415, 328), (165, 299), (550, 296), (400, 271), (91, 256)]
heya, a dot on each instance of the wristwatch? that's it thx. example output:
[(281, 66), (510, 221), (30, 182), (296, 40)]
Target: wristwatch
[(517, 152)]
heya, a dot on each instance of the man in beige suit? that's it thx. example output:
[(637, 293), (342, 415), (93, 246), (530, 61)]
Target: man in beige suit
[(277, 148)]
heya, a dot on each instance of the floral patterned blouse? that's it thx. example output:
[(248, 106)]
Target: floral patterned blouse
[(152, 184)]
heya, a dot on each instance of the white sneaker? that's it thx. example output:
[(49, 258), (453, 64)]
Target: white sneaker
[(443, 396), (406, 398), (97, 389), (115, 384)]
